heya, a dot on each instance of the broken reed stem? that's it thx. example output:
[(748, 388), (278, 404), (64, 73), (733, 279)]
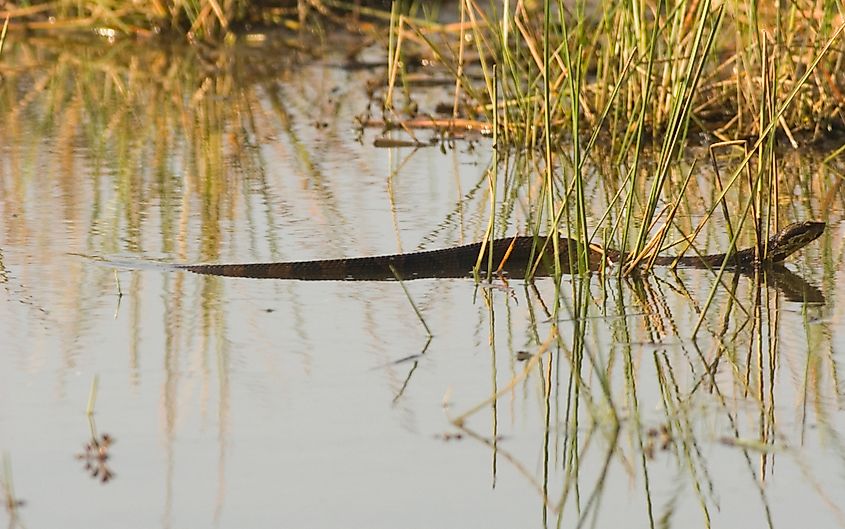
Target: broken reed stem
[(3, 34), (411, 301), (92, 396)]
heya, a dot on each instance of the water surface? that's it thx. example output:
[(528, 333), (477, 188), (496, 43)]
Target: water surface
[(237, 402)]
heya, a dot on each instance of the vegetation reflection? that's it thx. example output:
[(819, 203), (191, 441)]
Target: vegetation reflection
[(160, 152)]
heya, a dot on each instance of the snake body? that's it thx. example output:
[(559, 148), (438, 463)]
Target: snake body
[(515, 255)]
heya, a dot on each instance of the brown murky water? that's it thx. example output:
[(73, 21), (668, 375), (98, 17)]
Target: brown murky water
[(237, 402)]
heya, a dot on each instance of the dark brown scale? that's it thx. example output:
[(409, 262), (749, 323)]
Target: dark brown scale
[(515, 255)]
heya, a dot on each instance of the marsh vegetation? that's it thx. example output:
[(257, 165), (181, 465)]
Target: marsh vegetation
[(135, 136)]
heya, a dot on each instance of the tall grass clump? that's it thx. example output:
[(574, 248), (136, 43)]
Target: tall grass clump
[(639, 79), (212, 21), (199, 18), (558, 47)]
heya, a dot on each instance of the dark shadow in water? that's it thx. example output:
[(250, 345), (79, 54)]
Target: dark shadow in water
[(416, 360), (794, 287)]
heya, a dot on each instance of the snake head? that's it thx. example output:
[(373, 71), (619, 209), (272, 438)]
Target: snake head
[(792, 238)]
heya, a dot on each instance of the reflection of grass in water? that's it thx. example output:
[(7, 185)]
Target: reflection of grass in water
[(592, 402), (178, 123), (144, 150), (726, 379), (10, 500), (139, 117)]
